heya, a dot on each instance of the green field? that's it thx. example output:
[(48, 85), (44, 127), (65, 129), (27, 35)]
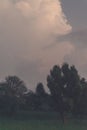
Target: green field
[(40, 121)]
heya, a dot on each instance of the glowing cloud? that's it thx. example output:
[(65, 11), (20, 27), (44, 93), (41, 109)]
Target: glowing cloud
[(26, 27), (46, 14)]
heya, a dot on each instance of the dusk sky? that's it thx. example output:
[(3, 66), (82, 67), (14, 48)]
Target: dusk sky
[(37, 34)]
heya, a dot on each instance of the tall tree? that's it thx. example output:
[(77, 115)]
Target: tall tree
[(55, 84), (64, 85)]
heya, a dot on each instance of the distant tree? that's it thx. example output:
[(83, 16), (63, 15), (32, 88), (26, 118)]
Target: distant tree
[(40, 91), (32, 101), (15, 86), (13, 89), (43, 97)]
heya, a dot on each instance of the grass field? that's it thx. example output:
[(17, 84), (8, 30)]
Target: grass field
[(40, 121)]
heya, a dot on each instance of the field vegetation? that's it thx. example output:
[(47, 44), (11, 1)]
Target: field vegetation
[(40, 121)]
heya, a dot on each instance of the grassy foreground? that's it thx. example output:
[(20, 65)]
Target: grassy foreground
[(40, 121)]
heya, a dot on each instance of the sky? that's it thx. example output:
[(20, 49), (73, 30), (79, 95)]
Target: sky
[(37, 34)]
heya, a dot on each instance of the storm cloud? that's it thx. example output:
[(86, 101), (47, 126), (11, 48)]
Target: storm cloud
[(27, 27)]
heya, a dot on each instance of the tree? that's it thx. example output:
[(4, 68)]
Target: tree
[(64, 85), (13, 90), (55, 84), (40, 91), (73, 85), (43, 97), (82, 103), (32, 101), (15, 86)]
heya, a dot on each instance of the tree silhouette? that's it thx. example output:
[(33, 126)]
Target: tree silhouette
[(13, 89), (55, 84), (43, 97), (40, 91), (64, 85)]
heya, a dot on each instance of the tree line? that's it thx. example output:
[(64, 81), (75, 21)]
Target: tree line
[(68, 93)]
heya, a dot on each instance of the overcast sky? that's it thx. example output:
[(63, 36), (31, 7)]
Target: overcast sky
[(37, 34)]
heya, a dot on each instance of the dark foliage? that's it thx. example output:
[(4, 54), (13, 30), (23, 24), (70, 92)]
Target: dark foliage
[(68, 93)]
